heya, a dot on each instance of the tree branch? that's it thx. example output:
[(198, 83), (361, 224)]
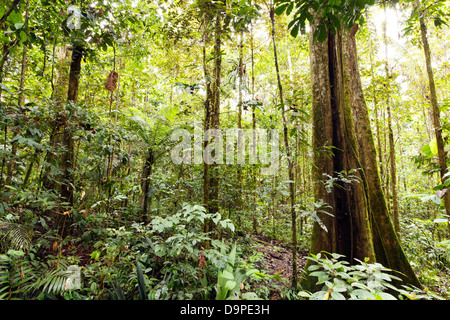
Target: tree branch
[(14, 4)]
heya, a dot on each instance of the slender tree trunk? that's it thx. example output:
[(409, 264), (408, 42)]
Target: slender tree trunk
[(289, 158), (255, 174), (213, 205), (5, 55), (67, 141), (146, 185), (68, 154), (388, 250), (212, 118), (6, 50), (59, 96), (393, 171), (434, 107), (207, 105), (375, 104), (402, 166), (111, 156), (392, 157), (239, 138), (12, 161), (34, 158)]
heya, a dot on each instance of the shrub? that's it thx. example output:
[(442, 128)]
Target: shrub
[(338, 280)]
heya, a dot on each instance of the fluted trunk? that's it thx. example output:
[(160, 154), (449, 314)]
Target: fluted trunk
[(388, 250), (347, 231)]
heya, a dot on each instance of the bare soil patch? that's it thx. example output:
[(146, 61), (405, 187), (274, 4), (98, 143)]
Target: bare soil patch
[(278, 260)]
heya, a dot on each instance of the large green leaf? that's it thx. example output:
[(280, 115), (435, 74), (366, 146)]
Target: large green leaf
[(141, 282)]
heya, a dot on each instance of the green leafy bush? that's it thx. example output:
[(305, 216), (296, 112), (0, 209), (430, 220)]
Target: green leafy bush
[(338, 280), (168, 251), (231, 278)]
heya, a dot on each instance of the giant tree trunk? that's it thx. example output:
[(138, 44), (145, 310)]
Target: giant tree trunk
[(348, 231), (434, 107), (388, 250)]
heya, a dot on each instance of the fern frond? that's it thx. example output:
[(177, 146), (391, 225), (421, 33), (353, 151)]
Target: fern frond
[(14, 235)]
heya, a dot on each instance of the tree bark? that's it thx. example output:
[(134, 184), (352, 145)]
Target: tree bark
[(239, 138), (348, 231), (256, 171), (442, 158), (387, 248), (146, 185), (212, 117), (393, 171), (68, 154), (12, 7), (67, 141), (213, 203), (289, 158), (375, 104), (59, 96), (392, 157)]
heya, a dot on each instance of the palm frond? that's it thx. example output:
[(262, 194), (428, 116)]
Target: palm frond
[(53, 280), (15, 274)]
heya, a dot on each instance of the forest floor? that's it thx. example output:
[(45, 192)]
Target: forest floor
[(277, 257)]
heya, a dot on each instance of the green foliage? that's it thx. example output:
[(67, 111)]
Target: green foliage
[(434, 10), (230, 280), (241, 15), (13, 234), (340, 179), (16, 272), (333, 15), (141, 282), (314, 211), (430, 150), (52, 278), (156, 47), (168, 248), (421, 238), (338, 280)]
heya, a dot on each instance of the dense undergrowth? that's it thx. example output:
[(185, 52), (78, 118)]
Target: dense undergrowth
[(173, 258), (92, 206)]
